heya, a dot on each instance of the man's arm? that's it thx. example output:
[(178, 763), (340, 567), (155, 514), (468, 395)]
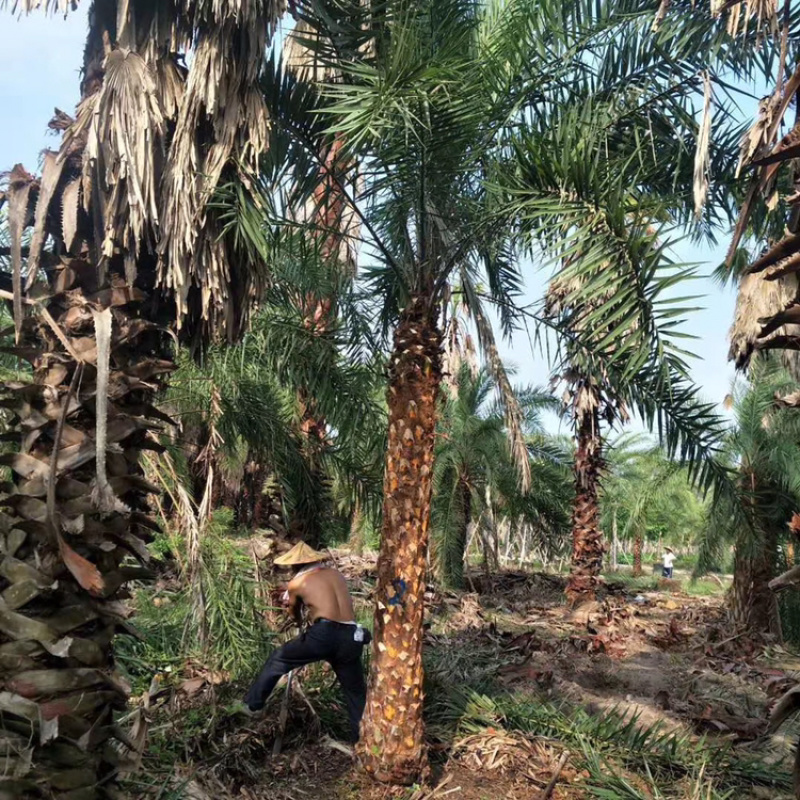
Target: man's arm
[(295, 608)]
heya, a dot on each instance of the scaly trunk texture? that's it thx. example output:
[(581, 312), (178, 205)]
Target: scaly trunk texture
[(614, 544), (753, 605), (123, 209), (391, 745), (71, 522), (637, 555), (357, 523), (587, 540), (452, 556)]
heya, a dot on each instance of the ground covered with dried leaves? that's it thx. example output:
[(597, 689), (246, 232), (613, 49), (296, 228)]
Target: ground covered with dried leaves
[(642, 695)]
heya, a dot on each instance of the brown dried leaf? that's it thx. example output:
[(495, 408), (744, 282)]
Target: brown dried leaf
[(86, 573)]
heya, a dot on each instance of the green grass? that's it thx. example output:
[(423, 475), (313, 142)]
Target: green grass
[(705, 587)]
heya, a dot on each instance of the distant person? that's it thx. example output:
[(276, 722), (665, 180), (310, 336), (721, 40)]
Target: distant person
[(333, 634), (667, 562)]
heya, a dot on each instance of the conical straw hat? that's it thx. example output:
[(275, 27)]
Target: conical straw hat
[(301, 553)]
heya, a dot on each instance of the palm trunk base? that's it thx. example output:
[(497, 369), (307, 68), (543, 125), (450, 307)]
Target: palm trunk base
[(753, 606), (391, 747), (66, 555), (587, 540), (637, 556)]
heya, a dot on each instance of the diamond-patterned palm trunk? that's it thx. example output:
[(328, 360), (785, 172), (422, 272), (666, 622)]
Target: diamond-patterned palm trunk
[(73, 529), (587, 540), (391, 746), (637, 555), (753, 605)]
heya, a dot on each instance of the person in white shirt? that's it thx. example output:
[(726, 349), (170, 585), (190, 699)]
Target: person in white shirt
[(667, 561)]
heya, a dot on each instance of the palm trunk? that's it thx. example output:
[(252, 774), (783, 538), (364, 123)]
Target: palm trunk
[(357, 530), (72, 521), (452, 556), (637, 555), (77, 502), (753, 605), (391, 746), (587, 540), (614, 544)]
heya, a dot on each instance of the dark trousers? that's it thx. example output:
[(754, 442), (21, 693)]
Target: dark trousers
[(667, 572), (323, 641)]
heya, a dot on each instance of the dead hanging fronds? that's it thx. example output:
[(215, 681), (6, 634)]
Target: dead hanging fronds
[(152, 140), (742, 14), (701, 157), (661, 14), (51, 173), (62, 7), (458, 349), (508, 399), (20, 194), (301, 56), (759, 299), (222, 86), (124, 155)]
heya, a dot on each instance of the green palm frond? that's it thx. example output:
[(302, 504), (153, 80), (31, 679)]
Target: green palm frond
[(763, 448)]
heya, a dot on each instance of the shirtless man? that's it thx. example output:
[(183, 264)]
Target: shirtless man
[(332, 635)]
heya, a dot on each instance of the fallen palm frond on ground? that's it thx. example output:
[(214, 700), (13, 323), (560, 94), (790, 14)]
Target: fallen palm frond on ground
[(672, 705)]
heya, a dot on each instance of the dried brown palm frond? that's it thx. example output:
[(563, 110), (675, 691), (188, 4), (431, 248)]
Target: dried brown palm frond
[(510, 402), (124, 155), (766, 314), (701, 158), (305, 61), (222, 87), (761, 299), (741, 14), (94, 327)]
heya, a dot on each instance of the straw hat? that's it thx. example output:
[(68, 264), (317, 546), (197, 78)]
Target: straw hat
[(301, 553)]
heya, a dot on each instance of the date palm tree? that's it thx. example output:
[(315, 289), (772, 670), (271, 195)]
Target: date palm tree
[(475, 478), (410, 111), (764, 446), (244, 400), (449, 114), (768, 305), (645, 490), (125, 250), (599, 181)]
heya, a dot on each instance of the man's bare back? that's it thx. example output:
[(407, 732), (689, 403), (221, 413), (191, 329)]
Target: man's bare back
[(324, 592)]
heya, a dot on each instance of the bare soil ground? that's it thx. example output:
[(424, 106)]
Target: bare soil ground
[(665, 661)]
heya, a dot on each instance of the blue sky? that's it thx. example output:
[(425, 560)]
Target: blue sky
[(41, 59)]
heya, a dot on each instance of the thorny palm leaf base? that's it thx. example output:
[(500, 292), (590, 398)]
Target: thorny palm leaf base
[(391, 746), (60, 688)]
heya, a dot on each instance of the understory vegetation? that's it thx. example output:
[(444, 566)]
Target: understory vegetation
[(256, 297)]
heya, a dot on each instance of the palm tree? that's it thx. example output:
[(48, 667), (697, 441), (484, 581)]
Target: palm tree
[(434, 104), (125, 244), (645, 491), (764, 445), (595, 201), (768, 302), (472, 464), (245, 403), (424, 216)]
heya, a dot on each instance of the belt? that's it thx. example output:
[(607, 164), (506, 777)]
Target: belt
[(333, 622)]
